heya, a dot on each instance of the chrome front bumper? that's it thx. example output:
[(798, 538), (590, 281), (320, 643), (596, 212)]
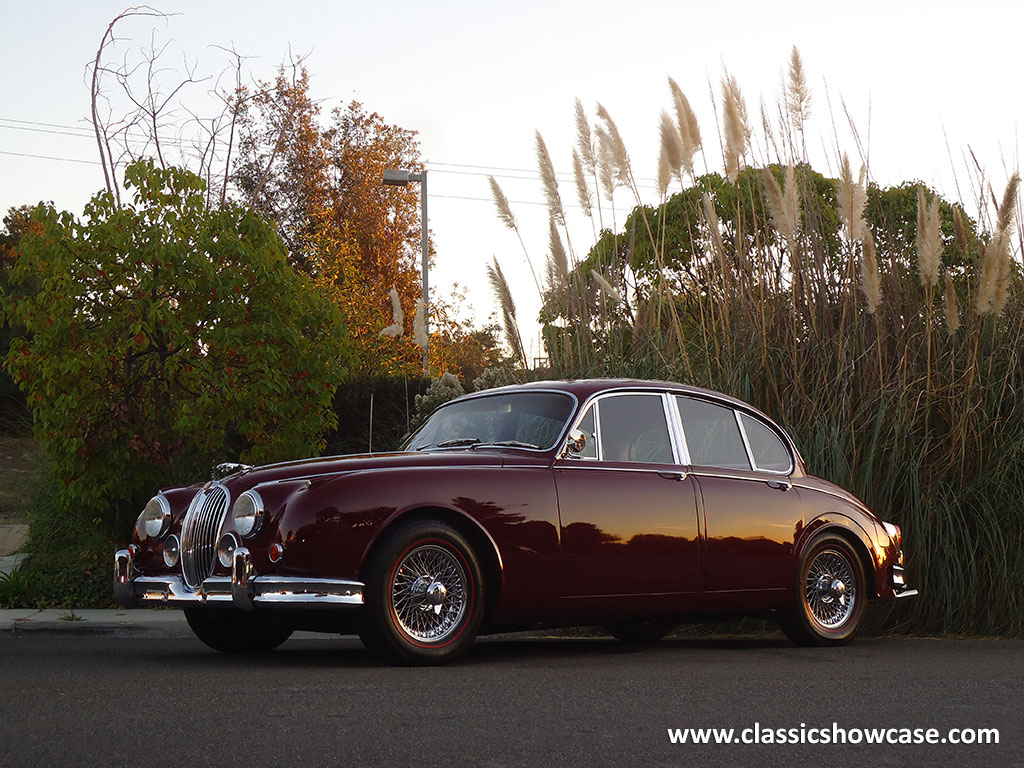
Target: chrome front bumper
[(899, 584), (244, 589)]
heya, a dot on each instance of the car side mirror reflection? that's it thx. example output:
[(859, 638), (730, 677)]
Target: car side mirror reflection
[(577, 441)]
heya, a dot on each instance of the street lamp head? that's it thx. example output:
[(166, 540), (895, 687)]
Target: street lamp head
[(396, 177)]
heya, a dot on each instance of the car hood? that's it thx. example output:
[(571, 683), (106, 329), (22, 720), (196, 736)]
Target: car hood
[(243, 480)]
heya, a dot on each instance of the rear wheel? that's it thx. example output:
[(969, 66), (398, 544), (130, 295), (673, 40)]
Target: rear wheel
[(831, 595), (232, 631), (424, 595)]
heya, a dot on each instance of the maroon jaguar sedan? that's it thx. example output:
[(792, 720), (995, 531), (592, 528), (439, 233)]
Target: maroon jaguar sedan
[(632, 504)]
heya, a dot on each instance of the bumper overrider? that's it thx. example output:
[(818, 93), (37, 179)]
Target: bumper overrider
[(244, 589)]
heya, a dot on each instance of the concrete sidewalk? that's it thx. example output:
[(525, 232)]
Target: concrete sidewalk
[(94, 621)]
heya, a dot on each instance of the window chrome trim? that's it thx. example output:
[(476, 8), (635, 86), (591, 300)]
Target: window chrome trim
[(725, 475), (750, 452), (595, 402), (558, 444), (746, 442), (677, 424)]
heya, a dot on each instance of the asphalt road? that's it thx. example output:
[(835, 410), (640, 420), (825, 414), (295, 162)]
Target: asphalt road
[(128, 699)]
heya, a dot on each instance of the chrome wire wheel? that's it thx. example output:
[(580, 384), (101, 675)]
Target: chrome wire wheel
[(830, 589), (429, 594)]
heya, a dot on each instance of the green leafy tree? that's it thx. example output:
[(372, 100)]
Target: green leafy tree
[(163, 336)]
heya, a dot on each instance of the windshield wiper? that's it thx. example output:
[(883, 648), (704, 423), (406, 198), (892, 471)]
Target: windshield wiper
[(515, 444), (458, 442)]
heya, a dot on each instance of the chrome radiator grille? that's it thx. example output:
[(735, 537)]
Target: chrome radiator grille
[(199, 533)]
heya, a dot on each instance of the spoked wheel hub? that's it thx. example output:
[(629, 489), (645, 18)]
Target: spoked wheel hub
[(428, 593)]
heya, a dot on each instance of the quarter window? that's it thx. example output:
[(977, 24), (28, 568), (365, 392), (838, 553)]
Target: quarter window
[(589, 429), (712, 435), (633, 428), (767, 448)]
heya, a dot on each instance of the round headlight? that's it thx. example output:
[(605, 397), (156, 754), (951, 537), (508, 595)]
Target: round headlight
[(172, 551), (156, 517), (226, 549), (247, 514)]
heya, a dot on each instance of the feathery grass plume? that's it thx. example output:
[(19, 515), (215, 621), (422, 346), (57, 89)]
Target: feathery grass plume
[(958, 228), (605, 163), (689, 130), (791, 201), (582, 188), (558, 264), (584, 139), (419, 325), (737, 128), (929, 240), (714, 229), (616, 147), (664, 172), (549, 180), (852, 197), (501, 203), (508, 310), (397, 318), (952, 308), (606, 288), (671, 146), (993, 284), (776, 207), (798, 96), (870, 280)]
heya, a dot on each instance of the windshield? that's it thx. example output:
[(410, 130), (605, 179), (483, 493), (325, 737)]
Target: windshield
[(519, 419)]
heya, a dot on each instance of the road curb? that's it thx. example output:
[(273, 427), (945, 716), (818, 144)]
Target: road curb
[(92, 622)]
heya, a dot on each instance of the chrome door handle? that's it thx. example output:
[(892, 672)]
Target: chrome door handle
[(668, 475)]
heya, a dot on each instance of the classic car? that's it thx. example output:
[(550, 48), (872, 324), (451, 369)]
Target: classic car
[(631, 504)]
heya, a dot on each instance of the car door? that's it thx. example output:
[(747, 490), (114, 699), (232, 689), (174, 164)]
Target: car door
[(752, 512), (628, 512)]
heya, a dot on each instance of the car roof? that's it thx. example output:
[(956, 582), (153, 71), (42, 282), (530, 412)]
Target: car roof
[(583, 389)]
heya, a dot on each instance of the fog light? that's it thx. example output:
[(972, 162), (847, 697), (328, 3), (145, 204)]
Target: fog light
[(226, 549), (276, 552), (172, 551)]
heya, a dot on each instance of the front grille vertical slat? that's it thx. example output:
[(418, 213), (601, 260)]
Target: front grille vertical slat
[(199, 531)]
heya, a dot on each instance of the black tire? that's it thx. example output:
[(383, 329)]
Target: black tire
[(424, 595), (640, 631), (826, 610), (230, 630)]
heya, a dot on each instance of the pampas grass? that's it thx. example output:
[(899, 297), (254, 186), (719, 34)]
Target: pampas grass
[(929, 240), (952, 309), (582, 187), (419, 325), (737, 126), (508, 310), (852, 197), (689, 130), (798, 95), (397, 318), (870, 280), (549, 181)]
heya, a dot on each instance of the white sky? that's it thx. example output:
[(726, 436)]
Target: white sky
[(475, 79)]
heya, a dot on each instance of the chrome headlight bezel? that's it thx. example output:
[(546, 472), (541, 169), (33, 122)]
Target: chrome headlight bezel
[(156, 517), (172, 551), (247, 514), (226, 547)]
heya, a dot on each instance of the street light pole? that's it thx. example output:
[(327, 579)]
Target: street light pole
[(402, 178)]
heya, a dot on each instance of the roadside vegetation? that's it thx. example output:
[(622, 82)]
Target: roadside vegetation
[(881, 326)]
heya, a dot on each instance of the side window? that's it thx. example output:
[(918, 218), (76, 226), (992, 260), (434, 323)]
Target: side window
[(589, 428), (633, 428), (767, 447), (712, 435)]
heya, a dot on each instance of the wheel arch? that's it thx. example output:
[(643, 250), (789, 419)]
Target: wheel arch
[(484, 545), (852, 532)]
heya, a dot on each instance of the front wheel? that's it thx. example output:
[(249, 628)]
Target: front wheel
[(231, 631), (831, 595), (424, 595)]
